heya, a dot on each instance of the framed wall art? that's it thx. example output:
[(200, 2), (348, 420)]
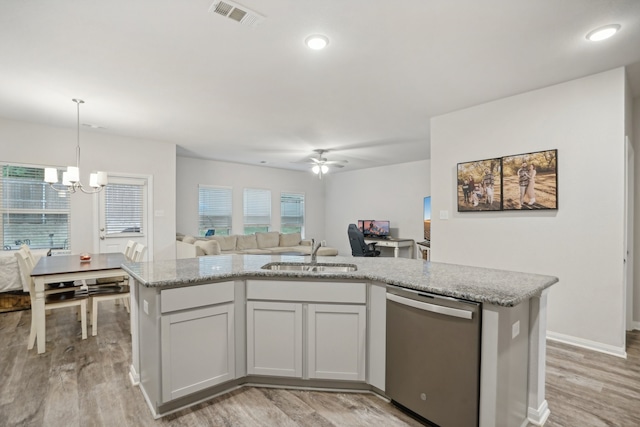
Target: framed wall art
[(530, 181), (479, 187)]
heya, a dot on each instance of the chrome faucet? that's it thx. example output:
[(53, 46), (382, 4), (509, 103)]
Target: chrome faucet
[(314, 250)]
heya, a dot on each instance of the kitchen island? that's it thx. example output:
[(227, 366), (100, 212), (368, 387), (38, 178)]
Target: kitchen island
[(203, 326)]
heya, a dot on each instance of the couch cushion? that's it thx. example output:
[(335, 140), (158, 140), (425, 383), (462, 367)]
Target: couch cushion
[(246, 242), (268, 240), (256, 252), (210, 247), (227, 243), (290, 239), (189, 239), (327, 251)]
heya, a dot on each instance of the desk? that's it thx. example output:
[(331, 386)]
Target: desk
[(64, 268), (395, 243)]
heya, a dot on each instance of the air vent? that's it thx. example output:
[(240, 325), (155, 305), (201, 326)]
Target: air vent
[(237, 12)]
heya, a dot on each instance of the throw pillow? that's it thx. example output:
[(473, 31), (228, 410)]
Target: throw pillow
[(290, 239), (227, 243), (247, 242), (268, 240), (210, 247), (189, 239)]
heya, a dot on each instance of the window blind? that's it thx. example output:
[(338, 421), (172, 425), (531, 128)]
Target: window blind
[(124, 208), (31, 211), (257, 209), (291, 212), (214, 209)]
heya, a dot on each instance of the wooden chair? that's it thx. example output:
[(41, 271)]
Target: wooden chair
[(53, 298)]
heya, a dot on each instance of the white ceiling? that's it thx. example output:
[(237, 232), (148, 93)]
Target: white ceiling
[(169, 70)]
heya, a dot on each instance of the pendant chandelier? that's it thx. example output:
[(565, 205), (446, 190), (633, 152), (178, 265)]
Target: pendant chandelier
[(71, 178)]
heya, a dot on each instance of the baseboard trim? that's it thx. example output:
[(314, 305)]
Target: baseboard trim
[(588, 344), (635, 325), (133, 376), (539, 416)]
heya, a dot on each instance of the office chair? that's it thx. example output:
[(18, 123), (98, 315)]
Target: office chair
[(358, 245)]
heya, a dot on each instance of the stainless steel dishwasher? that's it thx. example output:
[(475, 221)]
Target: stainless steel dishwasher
[(433, 356)]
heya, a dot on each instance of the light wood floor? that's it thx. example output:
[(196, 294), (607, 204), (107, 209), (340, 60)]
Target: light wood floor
[(85, 383)]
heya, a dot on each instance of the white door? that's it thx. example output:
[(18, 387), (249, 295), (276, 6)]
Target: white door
[(197, 350), (124, 214), (336, 341), (274, 338)]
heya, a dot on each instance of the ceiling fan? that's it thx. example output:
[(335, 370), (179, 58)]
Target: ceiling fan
[(321, 164)]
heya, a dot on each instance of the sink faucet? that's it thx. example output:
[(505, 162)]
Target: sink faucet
[(314, 250)]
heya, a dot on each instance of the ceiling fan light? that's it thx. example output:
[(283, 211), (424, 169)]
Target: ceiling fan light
[(315, 169), (324, 168)]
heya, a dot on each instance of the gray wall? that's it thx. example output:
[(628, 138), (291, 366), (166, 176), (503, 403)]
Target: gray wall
[(395, 193), (581, 242), (192, 172), (34, 144)]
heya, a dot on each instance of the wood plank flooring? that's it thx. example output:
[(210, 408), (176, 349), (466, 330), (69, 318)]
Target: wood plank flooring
[(86, 383)]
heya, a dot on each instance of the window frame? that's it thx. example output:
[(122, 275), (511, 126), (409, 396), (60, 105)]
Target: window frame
[(228, 191), (283, 223), (47, 194), (257, 226)]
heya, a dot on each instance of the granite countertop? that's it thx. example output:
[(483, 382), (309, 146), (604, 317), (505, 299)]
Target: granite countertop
[(499, 287)]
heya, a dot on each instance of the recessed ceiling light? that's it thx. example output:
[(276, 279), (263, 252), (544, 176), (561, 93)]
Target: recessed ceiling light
[(317, 41), (603, 32)]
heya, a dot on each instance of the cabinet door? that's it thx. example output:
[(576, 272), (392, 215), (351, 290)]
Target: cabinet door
[(336, 341), (274, 338), (197, 350)]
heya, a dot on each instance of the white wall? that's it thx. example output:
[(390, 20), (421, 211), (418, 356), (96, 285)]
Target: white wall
[(33, 144), (191, 172), (581, 242), (395, 193), (635, 140)]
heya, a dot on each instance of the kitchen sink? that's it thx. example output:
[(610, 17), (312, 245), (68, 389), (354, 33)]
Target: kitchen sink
[(317, 267)]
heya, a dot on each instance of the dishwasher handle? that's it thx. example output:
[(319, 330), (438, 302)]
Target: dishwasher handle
[(440, 309)]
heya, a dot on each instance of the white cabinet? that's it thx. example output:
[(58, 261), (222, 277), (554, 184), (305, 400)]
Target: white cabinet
[(274, 338), (336, 341), (296, 330), (197, 337)]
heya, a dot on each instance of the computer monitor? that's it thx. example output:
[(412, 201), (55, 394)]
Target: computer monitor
[(375, 228)]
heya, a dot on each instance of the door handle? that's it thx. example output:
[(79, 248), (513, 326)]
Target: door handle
[(447, 311)]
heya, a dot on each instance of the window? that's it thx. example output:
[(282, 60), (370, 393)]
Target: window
[(124, 208), (257, 210), (292, 213), (214, 210), (32, 212)]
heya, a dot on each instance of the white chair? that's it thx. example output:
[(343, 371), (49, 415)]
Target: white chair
[(53, 299), (114, 291), (138, 252), (128, 250)]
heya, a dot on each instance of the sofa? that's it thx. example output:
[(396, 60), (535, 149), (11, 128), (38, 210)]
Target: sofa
[(269, 243)]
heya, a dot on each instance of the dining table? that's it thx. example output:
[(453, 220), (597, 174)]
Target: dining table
[(66, 268)]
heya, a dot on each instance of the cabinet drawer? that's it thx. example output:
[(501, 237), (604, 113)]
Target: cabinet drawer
[(196, 296), (298, 290)]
